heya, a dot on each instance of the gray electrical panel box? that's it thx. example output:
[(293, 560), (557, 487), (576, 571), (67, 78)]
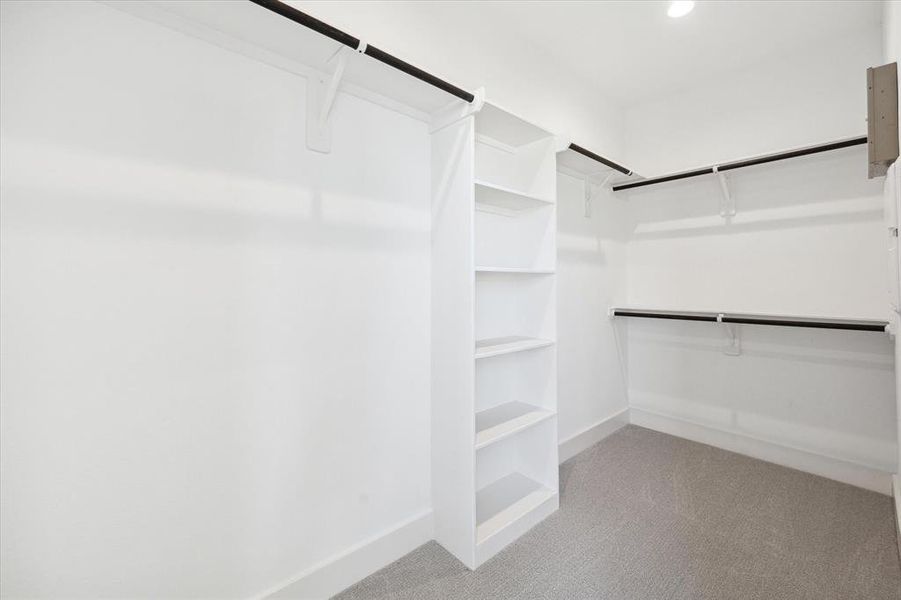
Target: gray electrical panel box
[(882, 118)]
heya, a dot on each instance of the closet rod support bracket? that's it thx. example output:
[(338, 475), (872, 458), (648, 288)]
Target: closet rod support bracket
[(727, 204), (733, 348), (321, 96), (590, 196)]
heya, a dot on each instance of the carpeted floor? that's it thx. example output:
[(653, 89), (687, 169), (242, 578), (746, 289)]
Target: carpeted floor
[(647, 516)]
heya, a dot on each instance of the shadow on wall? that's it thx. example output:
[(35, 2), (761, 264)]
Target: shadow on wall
[(110, 196)]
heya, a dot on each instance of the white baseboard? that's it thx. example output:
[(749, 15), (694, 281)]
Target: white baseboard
[(896, 493), (804, 460), (592, 435), (334, 574)]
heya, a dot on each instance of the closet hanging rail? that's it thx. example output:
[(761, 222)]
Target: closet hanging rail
[(751, 319), (738, 164), (600, 159), (302, 18)]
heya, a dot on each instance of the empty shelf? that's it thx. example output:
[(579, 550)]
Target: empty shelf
[(247, 28), (505, 501), (506, 345), (503, 200), (507, 128), (523, 270), (499, 422)]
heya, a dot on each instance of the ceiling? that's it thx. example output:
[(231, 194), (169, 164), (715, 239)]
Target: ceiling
[(631, 51)]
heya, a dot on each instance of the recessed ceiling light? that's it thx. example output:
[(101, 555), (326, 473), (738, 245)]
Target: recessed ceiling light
[(679, 9)]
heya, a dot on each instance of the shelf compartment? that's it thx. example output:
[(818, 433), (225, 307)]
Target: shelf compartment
[(507, 345), (505, 501), (500, 422), (507, 128), (522, 377), (529, 170), (502, 200), (518, 305), (515, 270), (521, 240)]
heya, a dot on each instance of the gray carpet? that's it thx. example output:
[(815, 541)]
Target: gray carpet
[(647, 516)]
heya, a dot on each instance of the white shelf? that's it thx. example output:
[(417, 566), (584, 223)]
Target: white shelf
[(578, 165), (506, 345), (507, 128), (519, 270), (254, 31), (491, 197), (499, 422), (505, 501)]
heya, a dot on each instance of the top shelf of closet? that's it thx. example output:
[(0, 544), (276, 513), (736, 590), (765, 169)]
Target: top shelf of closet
[(508, 129), (572, 163), (252, 30)]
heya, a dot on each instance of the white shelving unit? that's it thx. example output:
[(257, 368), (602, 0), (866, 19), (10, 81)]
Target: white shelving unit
[(494, 432)]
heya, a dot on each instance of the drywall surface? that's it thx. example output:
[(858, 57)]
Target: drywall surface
[(591, 276), (808, 97), (891, 24), (808, 238), (826, 393), (891, 31), (215, 347), (470, 52)]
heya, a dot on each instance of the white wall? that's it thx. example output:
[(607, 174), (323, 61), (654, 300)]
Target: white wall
[(472, 53), (891, 31), (808, 239), (215, 346), (810, 97), (816, 400), (891, 39), (591, 276)]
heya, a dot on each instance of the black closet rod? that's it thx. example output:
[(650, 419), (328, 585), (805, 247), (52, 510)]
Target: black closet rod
[(744, 319), (327, 30), (738, 164), (600, 159)]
